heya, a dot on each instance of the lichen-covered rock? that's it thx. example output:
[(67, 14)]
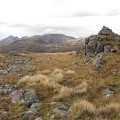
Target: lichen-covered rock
[(60, 111), (108, 92), (6, 88), (27, 97), (99, 61), (32, 112), (105, 31), (100, 42)]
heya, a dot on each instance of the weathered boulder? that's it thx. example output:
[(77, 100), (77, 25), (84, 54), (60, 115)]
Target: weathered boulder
[(28, 97), (32, 112), (105, 31), (99, 61), (60, 105), (60, 111)]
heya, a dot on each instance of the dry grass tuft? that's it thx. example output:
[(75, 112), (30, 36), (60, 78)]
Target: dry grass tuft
[(49, 80), (68, 91), (82, 106), (70, 72), (111, 108)]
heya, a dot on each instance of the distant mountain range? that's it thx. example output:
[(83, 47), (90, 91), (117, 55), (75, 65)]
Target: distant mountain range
[(41, 43)]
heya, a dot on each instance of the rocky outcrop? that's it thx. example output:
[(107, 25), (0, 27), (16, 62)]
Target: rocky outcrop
[(105, 40)]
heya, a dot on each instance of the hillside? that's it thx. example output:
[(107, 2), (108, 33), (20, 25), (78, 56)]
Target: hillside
[(64, 85), (7, 41), (44, 43)]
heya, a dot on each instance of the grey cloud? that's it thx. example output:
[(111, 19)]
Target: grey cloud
[(85, 14), (3, 23), (113, 13)]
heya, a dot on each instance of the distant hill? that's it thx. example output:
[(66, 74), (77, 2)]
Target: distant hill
[(8, 40), (43, 43)]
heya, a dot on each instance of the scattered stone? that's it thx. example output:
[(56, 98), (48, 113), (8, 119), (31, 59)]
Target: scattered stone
[(6, 88), (35, 107), (60, 105), (39, 118), (59, 111), (114, 71), (4, 115), (16, 96), (32, 112), (108, 92)]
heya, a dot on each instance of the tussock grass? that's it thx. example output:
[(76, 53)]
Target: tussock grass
[(111, 108), (88, 109), (82, 106), (50, 80), (68, 91)]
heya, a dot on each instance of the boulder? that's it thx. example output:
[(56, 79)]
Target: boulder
[(105, 31), (99, 61), (32, 112), (60, 110), (28, 97)]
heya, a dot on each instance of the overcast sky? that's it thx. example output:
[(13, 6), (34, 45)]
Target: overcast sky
[(77, 18)]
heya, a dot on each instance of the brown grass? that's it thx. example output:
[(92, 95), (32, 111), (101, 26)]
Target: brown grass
[(81, 106), (68, 91)]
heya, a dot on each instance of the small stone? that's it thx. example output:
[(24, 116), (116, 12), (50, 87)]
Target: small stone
[(39, 118)]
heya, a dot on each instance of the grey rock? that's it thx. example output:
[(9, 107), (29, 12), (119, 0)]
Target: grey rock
[(29, 97), (58, 113), (60, 110), (35, 107), (99, 61), (29, 114), (4, 115), (114, 71), (108, 92), (39, 118), (60, 105), (15, 96), (107, 48), (32, 112), (100, 47), (105, 31), (6, 88), (95, 44)]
